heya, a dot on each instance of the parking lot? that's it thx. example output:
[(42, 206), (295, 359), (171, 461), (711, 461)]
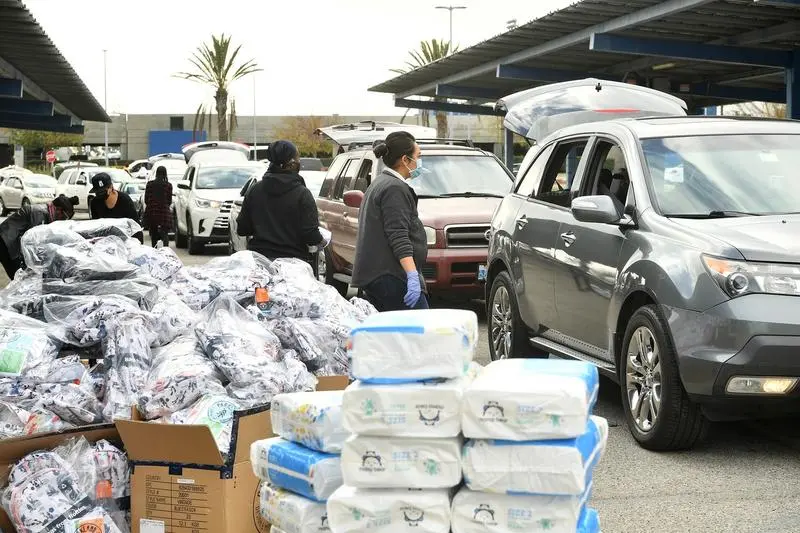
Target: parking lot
[(742, 479)]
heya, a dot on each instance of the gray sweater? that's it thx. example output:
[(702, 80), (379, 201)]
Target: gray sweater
[(389, 229)]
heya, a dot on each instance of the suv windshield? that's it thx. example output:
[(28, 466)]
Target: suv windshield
[(461, 175), (724, 175), (224, 177)]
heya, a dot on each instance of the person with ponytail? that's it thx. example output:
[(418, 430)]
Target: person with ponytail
[(392, 246), (279, 212), (158, 207)]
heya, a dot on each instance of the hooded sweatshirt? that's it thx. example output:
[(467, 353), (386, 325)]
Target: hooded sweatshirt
[(280, 214)]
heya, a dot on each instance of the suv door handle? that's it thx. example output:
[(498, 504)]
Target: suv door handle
[(568, 238), (522, 222)]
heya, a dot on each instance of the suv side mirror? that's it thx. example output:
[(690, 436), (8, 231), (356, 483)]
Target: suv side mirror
[(353, 199), (80, 182), (599, 209), (184, 185)]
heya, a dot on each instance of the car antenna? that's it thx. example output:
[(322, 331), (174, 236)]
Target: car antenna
[(598, 87)]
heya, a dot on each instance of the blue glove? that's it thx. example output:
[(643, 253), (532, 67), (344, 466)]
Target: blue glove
[(414, 290)]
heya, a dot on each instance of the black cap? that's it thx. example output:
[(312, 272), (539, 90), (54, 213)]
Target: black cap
[(100, 182)]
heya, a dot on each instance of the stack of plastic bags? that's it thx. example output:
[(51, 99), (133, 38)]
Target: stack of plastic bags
[(403, 458), (300, 468), (532, 449)]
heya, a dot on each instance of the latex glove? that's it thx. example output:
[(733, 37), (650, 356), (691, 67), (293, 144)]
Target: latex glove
[(414, 291)]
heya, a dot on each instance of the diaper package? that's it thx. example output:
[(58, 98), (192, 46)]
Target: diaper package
[(429, 409), (403, 346), (292, 513), (589, 522), (556, 467), (293, 467), (313, 419), (478, 512), (530, 399), (352, 510), (393, 462)]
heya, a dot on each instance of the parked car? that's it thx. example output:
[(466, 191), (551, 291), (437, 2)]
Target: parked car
[(668, 259), (314, 164), (59, 168), (18, 191), (13, 171), (77, 181), (139, 168), (215, 176), (135, 189), (457, 196)]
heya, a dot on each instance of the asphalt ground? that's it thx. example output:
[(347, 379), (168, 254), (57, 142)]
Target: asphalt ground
[(742, 479)]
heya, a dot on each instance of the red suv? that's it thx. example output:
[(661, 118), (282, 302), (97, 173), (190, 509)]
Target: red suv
[(457, 197)]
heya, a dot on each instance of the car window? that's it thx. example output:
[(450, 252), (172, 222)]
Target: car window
[(364, 176), (607, 174), (223, 177), (560, 172), (462, 175), (330, 177), (346, 180), (533, 173), (74, 178)]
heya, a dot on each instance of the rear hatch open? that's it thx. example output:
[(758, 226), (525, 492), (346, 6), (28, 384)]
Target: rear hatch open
[(216, 150), (365, 133), (536, 113)]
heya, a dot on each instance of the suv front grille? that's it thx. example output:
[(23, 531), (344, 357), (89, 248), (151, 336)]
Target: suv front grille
[(226, 207), (466, 236), (429, 271)]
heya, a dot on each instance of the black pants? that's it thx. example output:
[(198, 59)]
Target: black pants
[(11, 266), (386, 293), (159, 234)]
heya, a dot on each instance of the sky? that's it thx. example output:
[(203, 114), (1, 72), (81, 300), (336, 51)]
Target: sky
[(318, 57)]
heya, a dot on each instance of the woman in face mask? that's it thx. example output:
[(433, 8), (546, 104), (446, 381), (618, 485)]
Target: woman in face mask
[(14, 227), (392, 245), (110, 203), (158, 210)]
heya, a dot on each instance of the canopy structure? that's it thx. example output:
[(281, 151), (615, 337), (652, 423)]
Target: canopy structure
[(39, 89), (708, 52)]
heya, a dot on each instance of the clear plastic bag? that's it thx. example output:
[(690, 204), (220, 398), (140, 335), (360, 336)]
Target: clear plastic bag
[(73, 264), (111, 245), (26, 349), (85, 320), (124, 228), (194, 292), (127, 359), (237, 275), (179, 377), (288, 374), (23, 294), (214, 411), (141, 290), (159, 263), (12, 420), (289, 268), (39, 243), (363, 307), (320, 343), (171, 317)]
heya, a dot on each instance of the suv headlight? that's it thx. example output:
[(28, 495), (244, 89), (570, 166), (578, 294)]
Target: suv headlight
[(430, 234), (738, 278), (206, 204)]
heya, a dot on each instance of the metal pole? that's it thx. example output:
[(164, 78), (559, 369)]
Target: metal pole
[(255, 130), (450, 43), (105, 100)]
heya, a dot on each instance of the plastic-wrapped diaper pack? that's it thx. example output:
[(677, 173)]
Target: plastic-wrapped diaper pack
[(289, 466), (589, 522), (313, 419), (423, 409), (530, 399), (393, 462), (478, 512), (404, 346), (558, 467), (292, 513), (352, 510)]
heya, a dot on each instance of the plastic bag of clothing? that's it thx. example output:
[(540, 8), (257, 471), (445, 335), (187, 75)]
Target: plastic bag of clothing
[(363, 307), (287, 374), (180, 375), (72, 402), (15, 390), (237, 275), (26, 349), (128, 359), (159, 263), (39, 243), (13, 419), (23, 294), (84, 320), (194, 292), (296, 298), (171, 317), (216, 412), (315, 342), (124, 228), (42, 420), (73, 264), (290, 268), (141, 290), (111, 245)]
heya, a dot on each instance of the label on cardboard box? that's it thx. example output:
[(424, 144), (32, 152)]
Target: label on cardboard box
[(151, 526), (179, 504)]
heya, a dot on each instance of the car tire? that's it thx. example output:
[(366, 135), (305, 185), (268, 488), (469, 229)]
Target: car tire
[(507, 332), (649, 376), (195, 246), (180, 238), (3, 208), (340, 286)]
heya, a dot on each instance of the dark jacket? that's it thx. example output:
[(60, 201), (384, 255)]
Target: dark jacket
[(389, 229), (158, 205), (15, 226), (280, 213)]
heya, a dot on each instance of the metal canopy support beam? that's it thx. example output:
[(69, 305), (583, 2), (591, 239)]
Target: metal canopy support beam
[(658, 11), (59, 123), (459, 91), (793, 87), (713, 53), (10, 88), (508, 148), (513, 72), (725, 92), (27, 107), (447, 107)]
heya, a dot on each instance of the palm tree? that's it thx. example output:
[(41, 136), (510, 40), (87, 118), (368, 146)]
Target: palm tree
[(215, 65), (430, 51)]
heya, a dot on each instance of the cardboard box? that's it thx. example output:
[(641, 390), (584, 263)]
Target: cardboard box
[(180, 482), (12, 450)]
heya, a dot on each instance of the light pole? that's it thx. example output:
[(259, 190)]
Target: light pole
[(451, 9), (255, 127), (105, 100)]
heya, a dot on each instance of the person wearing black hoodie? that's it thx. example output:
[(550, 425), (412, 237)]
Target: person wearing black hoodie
[(279, 212)]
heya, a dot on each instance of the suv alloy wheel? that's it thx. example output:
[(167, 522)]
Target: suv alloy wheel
[(660, 415), (195, 246), (507, 333)]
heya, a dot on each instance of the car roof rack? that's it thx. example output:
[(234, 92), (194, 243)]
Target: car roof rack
[(359, 144), (453, 142)]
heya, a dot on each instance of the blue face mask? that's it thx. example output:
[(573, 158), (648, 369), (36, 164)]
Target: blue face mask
[(417, 172)]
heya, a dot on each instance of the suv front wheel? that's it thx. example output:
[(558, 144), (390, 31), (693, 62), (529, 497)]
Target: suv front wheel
[(660, 414), (507, 332)]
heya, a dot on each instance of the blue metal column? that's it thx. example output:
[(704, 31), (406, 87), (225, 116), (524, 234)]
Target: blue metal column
[(793, 87), (508, 148)]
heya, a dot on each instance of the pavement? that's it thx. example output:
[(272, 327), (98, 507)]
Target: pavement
[(742, 479)]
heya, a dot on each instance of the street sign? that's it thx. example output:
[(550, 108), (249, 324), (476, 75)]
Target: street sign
[(50, 156)]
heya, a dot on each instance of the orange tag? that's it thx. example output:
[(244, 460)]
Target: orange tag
[(89, 525), (262, 295), (103, 490)]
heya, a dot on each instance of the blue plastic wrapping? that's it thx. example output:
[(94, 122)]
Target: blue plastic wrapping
[(289, 466), (589, 522)]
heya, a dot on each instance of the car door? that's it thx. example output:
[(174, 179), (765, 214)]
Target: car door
[(182, 198), (349, 228), (239, 243), (342, 252), (587, 254), (13, 193)]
